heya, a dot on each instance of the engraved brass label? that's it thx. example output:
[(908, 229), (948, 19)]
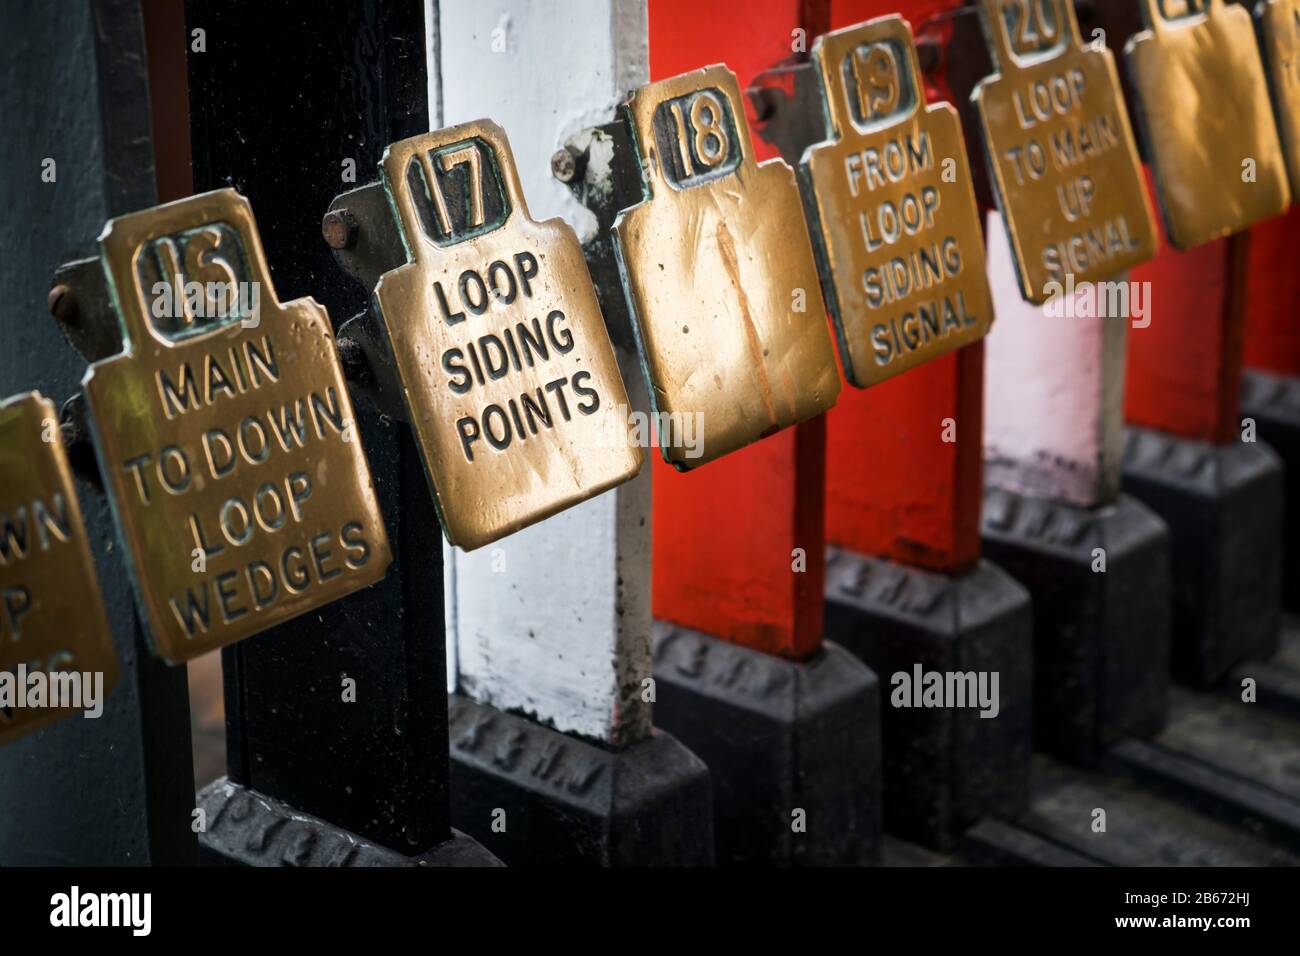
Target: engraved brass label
[(52, 619), (225, 433), (1206, 119), (892, 207), (719, 272), (1279, 31), (1061, 151), (510, 379)]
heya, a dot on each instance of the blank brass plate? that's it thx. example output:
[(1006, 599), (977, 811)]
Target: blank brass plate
[(1207, 120)]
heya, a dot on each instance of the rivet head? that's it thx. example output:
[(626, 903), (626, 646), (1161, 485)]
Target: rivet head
[(567, 164), (339, 227), (63, 304)]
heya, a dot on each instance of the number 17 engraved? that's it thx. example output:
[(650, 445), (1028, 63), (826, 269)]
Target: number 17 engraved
[(465, 155)]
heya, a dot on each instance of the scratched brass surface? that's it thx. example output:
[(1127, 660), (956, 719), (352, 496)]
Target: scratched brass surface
[(900, 243), (51, 611), (254, 503), (715, 261), (1061, 150), (1279, 34), (1205, 112), (552, 429)]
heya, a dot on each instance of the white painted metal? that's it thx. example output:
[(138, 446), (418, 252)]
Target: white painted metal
[(554, 621), (1053, 389)]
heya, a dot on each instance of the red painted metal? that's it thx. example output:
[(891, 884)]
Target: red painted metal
[(731, 537), (895, 488), (1184, 369), (1273, 296), (726, 536)]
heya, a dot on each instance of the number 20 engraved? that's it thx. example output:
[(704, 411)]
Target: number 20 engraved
[(875, 74), (707, 129), (1030, 26), (1177, 9)]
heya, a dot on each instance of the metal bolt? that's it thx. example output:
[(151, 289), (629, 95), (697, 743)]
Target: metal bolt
[(352, 359), (929, 53), (568, 164), (72, 420), (765, 101), (76, 439), (339, 227), (70, 432), (63, 304)]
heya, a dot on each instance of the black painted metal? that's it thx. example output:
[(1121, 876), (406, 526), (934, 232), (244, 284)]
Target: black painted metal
[(376, 245), (963, 60), (536, 796), (1101, 632), (793, 747), (1110, 817), (376, 248), (283, 95), (993, 842), (1227, 757), (92, 326), (787, 102), (945, 767), (1223, 507), (1276, 681), (246, 828), (119, 789), (606, 195), (1273, 401)]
